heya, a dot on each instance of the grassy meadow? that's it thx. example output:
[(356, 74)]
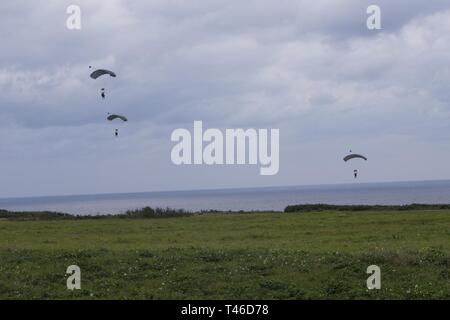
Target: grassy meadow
[(292, 255)]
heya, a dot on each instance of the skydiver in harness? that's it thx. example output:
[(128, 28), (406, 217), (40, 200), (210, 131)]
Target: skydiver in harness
[(103, 93), (116, 132), (355, 173)]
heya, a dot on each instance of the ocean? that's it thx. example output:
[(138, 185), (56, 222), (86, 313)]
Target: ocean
[(248, 199)]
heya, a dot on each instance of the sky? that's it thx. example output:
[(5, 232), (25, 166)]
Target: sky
[(311, 69)]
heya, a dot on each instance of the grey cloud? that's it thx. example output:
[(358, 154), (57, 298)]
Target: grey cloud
[(311, 69)]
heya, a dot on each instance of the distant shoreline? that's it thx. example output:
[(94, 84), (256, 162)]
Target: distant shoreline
[(158, 213), (253, 199)]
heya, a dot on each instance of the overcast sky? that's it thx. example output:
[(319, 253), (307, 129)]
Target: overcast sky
[(310, 68)]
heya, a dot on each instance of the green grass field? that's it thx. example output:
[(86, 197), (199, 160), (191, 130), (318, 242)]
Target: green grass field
[(314, 255)]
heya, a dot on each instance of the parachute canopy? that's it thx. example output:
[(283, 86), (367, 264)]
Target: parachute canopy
[(353, 156), (101, 72), (116, 116)]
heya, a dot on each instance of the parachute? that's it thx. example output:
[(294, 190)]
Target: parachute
[(353, 156), (116, 116), (101, 72)]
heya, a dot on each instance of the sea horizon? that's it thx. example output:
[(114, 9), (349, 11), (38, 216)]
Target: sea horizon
[(267, 198), (227, 188)]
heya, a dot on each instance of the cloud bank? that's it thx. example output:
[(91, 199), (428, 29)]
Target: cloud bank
[(313, 70)]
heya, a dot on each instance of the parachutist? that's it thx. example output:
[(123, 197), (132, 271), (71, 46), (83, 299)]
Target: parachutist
[(101, 72), (112, 117), (354, 156)]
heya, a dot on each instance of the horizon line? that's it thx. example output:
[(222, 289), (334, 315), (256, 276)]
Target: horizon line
[(222, 189)]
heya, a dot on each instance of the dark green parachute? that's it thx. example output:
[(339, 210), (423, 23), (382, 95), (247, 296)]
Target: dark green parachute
[(116, 116), (353, 156), (101, 72)]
